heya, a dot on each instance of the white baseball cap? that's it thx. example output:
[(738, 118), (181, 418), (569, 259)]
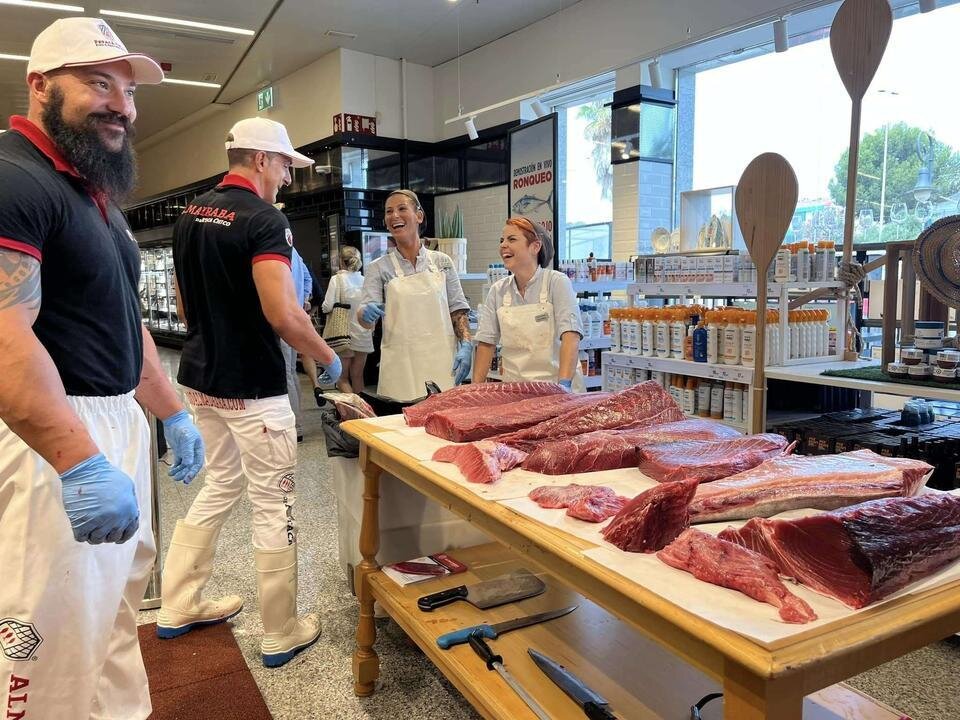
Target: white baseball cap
[(79, 41), (267, 135)]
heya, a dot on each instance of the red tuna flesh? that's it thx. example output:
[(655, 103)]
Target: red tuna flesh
[(481, 462), (478, 395), (707, 461)]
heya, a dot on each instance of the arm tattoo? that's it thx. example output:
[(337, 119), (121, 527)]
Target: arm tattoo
[(461, 324), (19, 280)]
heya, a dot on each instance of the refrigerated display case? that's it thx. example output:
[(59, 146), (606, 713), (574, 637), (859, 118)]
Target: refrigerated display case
[(158, 301)]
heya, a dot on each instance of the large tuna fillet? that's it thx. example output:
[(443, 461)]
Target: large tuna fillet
[(479, 395), (481, 462), (706, 461), (636, 407), (863, 553), (477, 423), (728, 565), (653, 518), (614, 449), (593, 503)]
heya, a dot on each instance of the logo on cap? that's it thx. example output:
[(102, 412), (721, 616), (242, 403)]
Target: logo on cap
[(18, 639), (111, 39)]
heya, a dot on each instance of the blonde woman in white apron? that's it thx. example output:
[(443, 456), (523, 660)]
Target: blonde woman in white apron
[(532, 314), (417, 293)]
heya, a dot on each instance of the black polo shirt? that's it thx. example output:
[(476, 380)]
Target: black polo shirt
[(89, 320), (231, 351)]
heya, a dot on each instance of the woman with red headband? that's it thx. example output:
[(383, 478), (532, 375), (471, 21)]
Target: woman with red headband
[(533, 314)]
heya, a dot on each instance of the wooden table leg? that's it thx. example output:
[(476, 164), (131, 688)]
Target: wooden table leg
[(749, 697), (366, 664)]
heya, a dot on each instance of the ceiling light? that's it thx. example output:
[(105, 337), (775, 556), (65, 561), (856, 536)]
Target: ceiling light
[(539, 109), (341, 33), (927, 5), (175, 21), (194, 83), (627, 149), (653, 70), (781, 41), (42, 5), (471, 128), (21, 58)]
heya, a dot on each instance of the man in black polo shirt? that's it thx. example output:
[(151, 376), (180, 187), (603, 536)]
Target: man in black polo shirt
[(74, 444), (232, 251)]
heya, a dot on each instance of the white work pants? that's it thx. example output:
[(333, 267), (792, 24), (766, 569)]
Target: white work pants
[(253, 441), (68, 610)]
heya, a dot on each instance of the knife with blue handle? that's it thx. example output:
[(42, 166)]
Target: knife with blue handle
[(491, 632)]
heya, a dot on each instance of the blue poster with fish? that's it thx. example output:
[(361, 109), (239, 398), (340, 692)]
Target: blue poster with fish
[(532, 190)]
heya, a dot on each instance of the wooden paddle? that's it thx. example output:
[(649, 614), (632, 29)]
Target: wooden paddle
[(766, 200), (858, 38)]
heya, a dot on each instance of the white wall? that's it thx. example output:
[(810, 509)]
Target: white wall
[(586, 39)]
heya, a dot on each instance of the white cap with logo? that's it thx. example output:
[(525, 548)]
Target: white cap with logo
[(80, 41), (267, 135)]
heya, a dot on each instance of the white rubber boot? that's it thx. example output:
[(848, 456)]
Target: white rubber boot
[(284, 634), (185, 573)]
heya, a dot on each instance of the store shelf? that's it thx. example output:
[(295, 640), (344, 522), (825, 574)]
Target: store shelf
[(473, 276), (727, 373), (811, 374), (597, 343), (600, 286), (740, 290)]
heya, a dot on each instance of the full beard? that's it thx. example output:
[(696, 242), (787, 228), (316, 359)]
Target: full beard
[(111, 172)]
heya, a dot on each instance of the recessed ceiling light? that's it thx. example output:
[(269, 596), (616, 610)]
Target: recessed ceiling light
[(43, 5), (341, 33), (194, 83), (176, 21), (21, 58)]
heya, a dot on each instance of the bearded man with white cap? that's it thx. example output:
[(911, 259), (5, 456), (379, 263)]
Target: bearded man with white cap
[(75, 532), (232, 253)]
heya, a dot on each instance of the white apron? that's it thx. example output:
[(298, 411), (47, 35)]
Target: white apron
[(528, 344), (418, 339)]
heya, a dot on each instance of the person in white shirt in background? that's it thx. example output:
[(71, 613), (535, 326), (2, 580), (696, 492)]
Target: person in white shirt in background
[(417, 292), (346, 288), (532, 313)]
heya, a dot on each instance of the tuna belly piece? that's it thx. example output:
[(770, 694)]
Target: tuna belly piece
[(473, 423), (592, 503), (731, 566), (481, 462), (479, 395), (653, 518), (706, 461), (863, 553), (614, 449)]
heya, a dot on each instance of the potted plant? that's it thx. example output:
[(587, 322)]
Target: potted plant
[(451, 240)]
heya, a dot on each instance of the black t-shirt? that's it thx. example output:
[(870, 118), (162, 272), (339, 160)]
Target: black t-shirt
[(231, 351), (89, 320)]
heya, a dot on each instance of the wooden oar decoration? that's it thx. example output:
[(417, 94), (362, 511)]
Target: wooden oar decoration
[(858, 38), (766, 200)]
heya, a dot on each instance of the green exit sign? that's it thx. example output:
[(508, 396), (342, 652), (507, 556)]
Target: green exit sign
[(265, 98)]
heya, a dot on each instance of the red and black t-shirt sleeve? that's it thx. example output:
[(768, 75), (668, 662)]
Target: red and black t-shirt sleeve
[(270, 237), (27, 215)]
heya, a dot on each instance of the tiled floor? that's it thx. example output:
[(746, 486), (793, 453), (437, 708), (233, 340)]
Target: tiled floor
[(318, 683)]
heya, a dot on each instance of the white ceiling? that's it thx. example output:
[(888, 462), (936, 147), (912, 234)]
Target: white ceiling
[(290, 35)]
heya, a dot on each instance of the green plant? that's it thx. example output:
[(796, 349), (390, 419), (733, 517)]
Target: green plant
[(451, 226)]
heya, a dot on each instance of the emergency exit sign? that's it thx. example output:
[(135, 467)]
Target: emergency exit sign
[(265, 98)]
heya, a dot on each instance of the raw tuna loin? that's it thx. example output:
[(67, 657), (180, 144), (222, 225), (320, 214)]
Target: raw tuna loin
[(863, 553), (481, 462), (614, 449), (653, 518), (479, 395), (729, 565), (706, 461), (593, 503)]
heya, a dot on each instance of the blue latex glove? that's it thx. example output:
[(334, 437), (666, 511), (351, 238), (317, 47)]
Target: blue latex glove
[(568, 384), (372, 312), (331, 373), (462, 362), (187, 445), (100, 502)]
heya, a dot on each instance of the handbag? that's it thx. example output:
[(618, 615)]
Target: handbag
[(336, 330)]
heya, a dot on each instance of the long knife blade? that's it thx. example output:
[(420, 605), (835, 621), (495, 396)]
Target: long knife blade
[(590, 702), (491, 632)]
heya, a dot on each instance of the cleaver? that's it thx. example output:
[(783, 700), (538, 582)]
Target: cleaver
[(504, 589)]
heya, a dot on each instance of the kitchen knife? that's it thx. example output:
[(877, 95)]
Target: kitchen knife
[(491, 632), (592, 704), (517, 585)]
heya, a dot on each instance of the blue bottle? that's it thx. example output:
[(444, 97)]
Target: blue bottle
[(700, 344)]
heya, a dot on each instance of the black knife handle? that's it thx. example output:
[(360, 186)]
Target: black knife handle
[(444, 597), (481, 648), (598, 712)]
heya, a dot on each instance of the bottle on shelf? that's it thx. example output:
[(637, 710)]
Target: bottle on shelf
[(781, 265), (690, 396), (646, 333), (596, 319), (584, 363), (736, 410), (703, 398), (700, 341), (678, 331), (716, 400), (793, 340), (731, 338), (662, 335), (748, 337), (803, 262), (615, 330), (713, 336), (745, 407)]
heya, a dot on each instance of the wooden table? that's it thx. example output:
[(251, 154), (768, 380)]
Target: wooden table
[(759, 680)]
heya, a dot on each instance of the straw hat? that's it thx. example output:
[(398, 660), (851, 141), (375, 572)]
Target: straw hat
[(936, 257)]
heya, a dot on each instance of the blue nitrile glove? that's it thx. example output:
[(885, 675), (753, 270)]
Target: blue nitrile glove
[(187, 444), (568, 384), (372, 312), (331, 373), (100, 502), (462, 362)]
